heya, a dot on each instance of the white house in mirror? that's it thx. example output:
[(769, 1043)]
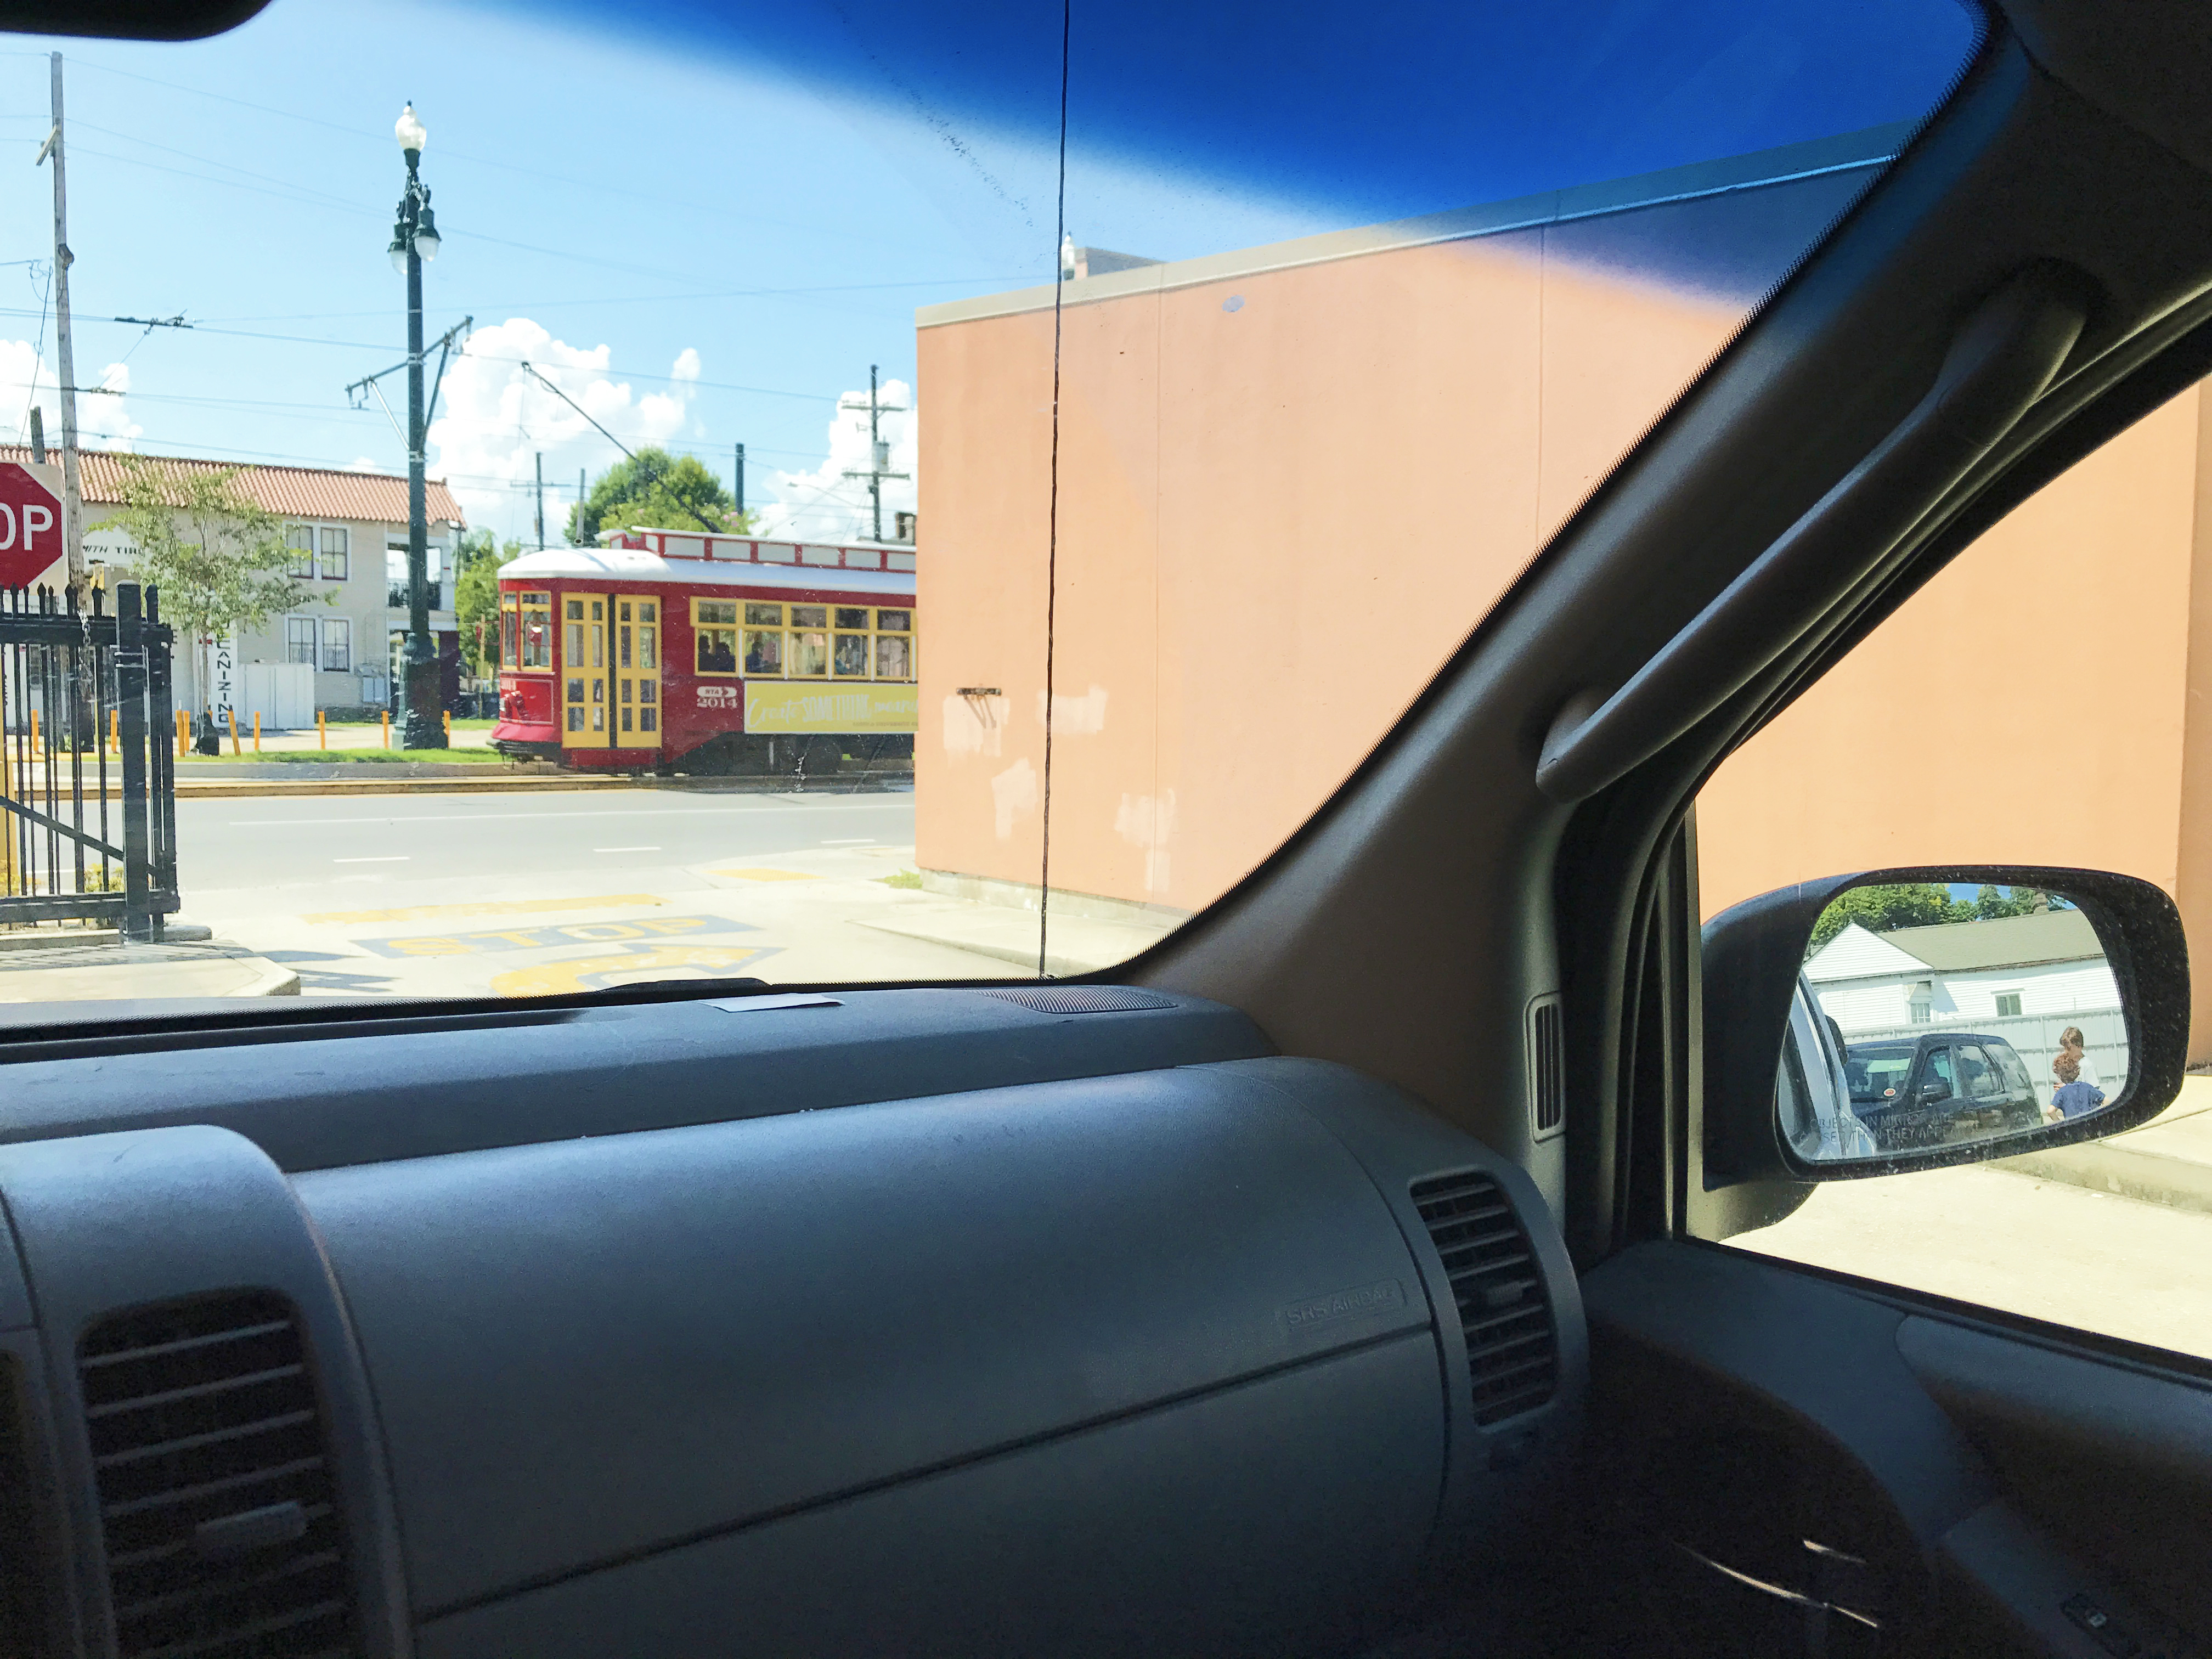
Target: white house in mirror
[(2023, 978)]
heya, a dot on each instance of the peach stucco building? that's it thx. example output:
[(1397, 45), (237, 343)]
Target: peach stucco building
[(1292, 478)]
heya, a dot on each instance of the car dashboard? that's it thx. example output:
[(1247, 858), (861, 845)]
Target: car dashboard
[(1059, 1319)]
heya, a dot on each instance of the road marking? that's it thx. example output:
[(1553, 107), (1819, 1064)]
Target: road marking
[(767, 875), (482, 908), (549, 938), (640, 964), (625, 849), (389, 858)]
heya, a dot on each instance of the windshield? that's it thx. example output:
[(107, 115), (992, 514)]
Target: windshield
[(1876, 1072), (531, 499)]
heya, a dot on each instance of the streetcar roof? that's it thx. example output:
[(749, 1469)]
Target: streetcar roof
[(621, 564)]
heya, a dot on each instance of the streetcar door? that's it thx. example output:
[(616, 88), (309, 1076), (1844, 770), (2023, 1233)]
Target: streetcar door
[(584, 672), (636, 711)]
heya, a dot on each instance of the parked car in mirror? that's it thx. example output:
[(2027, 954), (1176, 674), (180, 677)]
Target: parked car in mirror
[(1939, 1089)]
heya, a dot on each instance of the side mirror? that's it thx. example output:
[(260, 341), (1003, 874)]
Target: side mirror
[(2060, 997)]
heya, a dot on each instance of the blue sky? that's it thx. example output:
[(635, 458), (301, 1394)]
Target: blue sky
[(710, 226)]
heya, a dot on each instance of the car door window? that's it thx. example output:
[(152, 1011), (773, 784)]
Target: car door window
[(2109, 563), (1978, 1075), (1937, 1082)]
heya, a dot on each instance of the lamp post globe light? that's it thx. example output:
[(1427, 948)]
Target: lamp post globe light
[(414, 238)]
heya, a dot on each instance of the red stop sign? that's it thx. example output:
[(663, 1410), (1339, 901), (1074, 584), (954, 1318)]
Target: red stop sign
[(30, 526)]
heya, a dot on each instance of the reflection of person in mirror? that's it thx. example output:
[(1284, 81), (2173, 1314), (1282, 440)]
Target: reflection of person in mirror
[(2073, 1097), (2071, 1047)]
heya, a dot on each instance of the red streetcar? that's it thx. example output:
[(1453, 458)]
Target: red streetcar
[(678, 651)]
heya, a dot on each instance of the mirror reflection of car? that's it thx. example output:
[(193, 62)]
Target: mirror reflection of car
[(1813, 1093), (1939, 1088)]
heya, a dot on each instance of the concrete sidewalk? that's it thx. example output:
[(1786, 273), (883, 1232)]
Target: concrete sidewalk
[(2167, 1161), (103, 968)]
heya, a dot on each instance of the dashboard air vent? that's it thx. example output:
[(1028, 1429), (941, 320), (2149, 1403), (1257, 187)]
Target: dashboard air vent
[(1512, 1350), (216, 1501), (1547, 1064), (1082, 999)]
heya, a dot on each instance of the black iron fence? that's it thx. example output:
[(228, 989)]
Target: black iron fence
[(87, 784)]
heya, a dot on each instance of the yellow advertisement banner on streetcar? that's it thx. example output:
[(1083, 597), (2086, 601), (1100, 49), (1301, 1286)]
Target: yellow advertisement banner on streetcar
[(772, 707)]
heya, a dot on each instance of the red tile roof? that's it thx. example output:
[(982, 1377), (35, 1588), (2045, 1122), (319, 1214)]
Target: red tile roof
[(297, 492)]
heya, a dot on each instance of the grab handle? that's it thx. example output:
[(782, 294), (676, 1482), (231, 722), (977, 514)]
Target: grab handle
[(1998, 365)]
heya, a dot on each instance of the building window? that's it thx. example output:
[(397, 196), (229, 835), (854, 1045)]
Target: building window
[(1921, 1000), (2008, 1004), (338, 646), (334, 553), (301, 539), (300, 640)]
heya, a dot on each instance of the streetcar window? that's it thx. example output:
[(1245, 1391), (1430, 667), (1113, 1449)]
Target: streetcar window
[(895, 622), (536, 630), (719, 612), (810, 616), (809, 653), (763, 652), (894, 657), (648, 637), (851, 655), (763, 616), (851, 616), (507, 631)]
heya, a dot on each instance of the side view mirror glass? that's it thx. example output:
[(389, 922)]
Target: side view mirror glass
[(1903, 1019), (1948, 1015)]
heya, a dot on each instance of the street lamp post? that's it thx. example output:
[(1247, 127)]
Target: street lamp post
[(414, 238)]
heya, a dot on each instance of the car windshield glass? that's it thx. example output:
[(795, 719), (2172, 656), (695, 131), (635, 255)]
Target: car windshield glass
[(807, 493), (1876, 1072)]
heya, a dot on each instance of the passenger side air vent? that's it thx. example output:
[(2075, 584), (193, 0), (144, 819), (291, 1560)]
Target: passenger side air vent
[(216, 1501), (1547, 1064), (1082, 999), (1512, 1348)]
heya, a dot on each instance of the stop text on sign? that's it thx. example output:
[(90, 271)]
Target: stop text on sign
[(36, 520), (30, 524)]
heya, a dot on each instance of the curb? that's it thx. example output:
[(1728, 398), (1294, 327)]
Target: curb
[(2178, 1184)]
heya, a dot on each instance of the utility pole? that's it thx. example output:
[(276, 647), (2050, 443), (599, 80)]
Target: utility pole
[(72, 496), (541, 501), (741, 481), (580, 500), (879, 453)]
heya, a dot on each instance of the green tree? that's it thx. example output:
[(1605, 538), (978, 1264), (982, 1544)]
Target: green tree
[(1879, 908), (657, 490), (218, 558), (477, 557)]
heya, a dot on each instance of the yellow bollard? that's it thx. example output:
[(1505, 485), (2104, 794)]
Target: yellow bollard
[(384, 718), (115, 730), (36, 750), (232, 713), (184, 730), (449, 728), (257, 731), (322, 732)]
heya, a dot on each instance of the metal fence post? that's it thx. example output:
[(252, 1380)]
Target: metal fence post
[(139, 923), (160, 714)]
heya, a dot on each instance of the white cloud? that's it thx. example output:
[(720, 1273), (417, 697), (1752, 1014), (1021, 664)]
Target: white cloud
[(103, 422), (826, 506), (495, 420)]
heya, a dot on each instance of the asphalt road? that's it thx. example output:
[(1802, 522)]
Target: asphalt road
[(514, 895), (346, 842)]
